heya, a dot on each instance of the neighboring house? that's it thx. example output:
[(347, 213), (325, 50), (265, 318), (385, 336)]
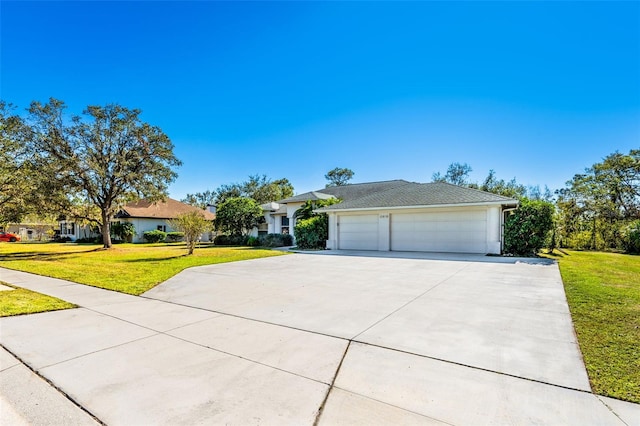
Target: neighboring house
[(68, 228), (150, 216), (144, 215), (30, 231), (405, 216)]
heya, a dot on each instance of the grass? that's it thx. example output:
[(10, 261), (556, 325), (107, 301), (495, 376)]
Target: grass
[(22, 301), (603, 291), (127, 268)]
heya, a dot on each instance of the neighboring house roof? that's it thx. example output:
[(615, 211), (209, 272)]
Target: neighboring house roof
[(346, 192), (167, 209), (421, 194)]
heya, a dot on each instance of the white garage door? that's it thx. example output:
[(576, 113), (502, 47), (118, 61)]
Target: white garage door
[(358, 232), (457, 232)]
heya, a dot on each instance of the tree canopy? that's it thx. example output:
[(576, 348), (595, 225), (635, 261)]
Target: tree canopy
[(339, 176), (238, 215), (258, 187), (596, 207), (16, 167), (105, 158), (457, 174), (201, 199)]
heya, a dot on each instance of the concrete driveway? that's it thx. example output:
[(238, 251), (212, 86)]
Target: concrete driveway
[(339, 338)]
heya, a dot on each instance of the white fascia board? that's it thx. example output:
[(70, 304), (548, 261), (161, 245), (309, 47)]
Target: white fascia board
[(431, 206)]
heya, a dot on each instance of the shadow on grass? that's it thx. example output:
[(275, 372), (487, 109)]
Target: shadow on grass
[(154, 259), (39, 255)]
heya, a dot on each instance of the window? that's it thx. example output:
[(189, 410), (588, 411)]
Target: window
[(162, 228), (67, 228), (285, 225)]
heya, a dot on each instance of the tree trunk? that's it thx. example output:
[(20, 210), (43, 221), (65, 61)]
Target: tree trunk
[(106, 230)]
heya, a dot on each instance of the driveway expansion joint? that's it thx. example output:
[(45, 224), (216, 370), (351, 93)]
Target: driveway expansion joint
[(331, 386), (438, 284), (53, 385), (488, 370)]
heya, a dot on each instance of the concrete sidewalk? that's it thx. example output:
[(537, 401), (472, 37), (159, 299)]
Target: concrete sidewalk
[(134, 360)]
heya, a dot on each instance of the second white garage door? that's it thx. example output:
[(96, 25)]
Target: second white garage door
[(358, 232), (450, 231)]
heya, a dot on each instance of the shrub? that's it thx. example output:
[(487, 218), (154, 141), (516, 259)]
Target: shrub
[(527, 230), (312, 233), (230, 240), (123, 230), (631, 237), (90, 240), (275, 240), (155, 236), (174, 237)]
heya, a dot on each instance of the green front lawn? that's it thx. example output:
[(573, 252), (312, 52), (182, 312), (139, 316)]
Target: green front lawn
[(603, 291), (22, 301), (127, 268)]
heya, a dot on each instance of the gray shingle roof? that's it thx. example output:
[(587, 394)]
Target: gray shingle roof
[(346, 192), (313, 195), (421, 194)]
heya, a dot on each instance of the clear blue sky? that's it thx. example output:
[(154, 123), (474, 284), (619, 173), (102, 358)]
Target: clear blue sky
[(397, 90)]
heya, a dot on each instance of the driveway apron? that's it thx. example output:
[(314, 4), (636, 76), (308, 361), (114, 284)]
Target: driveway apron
[(344, 338)]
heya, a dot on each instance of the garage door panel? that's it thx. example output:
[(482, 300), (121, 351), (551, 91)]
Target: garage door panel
[(463, 231), (358, 232)]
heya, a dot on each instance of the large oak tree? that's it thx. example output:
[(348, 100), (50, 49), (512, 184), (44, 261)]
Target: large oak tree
[(108, 156), (15, 172)]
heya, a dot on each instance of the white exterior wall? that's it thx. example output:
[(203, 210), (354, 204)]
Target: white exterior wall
[(146, 224), (493, 230), (332, 242), (79, 231), (291, 210), (271, 223)]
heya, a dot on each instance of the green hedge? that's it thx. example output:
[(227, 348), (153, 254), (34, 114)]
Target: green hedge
[(312, 233), (269, 240), (154, 236), (230, 240), (174, 237), (528, 229), (275, 240)]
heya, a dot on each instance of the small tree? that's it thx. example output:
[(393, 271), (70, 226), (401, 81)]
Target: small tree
[(526, 231), (339, 176), (238, 215), (192, 224)]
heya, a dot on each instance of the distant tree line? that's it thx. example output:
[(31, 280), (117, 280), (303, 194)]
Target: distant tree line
[(600, 208), (597, 210)]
